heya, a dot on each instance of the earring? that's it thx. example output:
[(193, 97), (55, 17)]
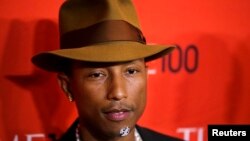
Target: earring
[(67, 92), (70, 98)]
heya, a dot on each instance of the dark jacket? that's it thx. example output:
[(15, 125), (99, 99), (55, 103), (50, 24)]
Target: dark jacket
[(146, 134)]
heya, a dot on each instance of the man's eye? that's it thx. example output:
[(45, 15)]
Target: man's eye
[(96, 75), (132, 71)]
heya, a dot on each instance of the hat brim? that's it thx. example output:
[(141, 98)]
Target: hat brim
[(118, 51)]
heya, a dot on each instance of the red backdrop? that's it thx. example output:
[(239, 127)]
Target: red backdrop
[(206, 80)]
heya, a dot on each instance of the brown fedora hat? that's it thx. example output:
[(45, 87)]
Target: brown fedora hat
[(99, 31)]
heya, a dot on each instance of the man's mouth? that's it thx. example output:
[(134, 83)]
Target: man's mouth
[(117, 114)]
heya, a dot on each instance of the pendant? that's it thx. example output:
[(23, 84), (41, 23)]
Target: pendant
[(124, 131)]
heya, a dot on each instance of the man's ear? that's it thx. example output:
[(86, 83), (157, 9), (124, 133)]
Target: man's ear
[(64, 83)]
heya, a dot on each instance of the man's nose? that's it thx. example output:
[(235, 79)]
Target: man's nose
[(117, 88)]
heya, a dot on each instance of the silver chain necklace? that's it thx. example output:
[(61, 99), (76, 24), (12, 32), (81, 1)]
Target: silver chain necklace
[(137, 135)]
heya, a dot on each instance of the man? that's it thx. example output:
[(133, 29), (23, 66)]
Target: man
[(101, 67)]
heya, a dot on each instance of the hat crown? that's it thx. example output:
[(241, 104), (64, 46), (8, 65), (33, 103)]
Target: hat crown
[(79, 14), (98, 31)]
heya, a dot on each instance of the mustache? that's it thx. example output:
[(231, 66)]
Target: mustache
[(116, 106)]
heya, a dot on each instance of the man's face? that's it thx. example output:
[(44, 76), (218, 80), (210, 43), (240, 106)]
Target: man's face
[(108, 96)]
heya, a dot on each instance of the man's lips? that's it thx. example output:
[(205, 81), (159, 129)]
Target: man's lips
[(117, 114)]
